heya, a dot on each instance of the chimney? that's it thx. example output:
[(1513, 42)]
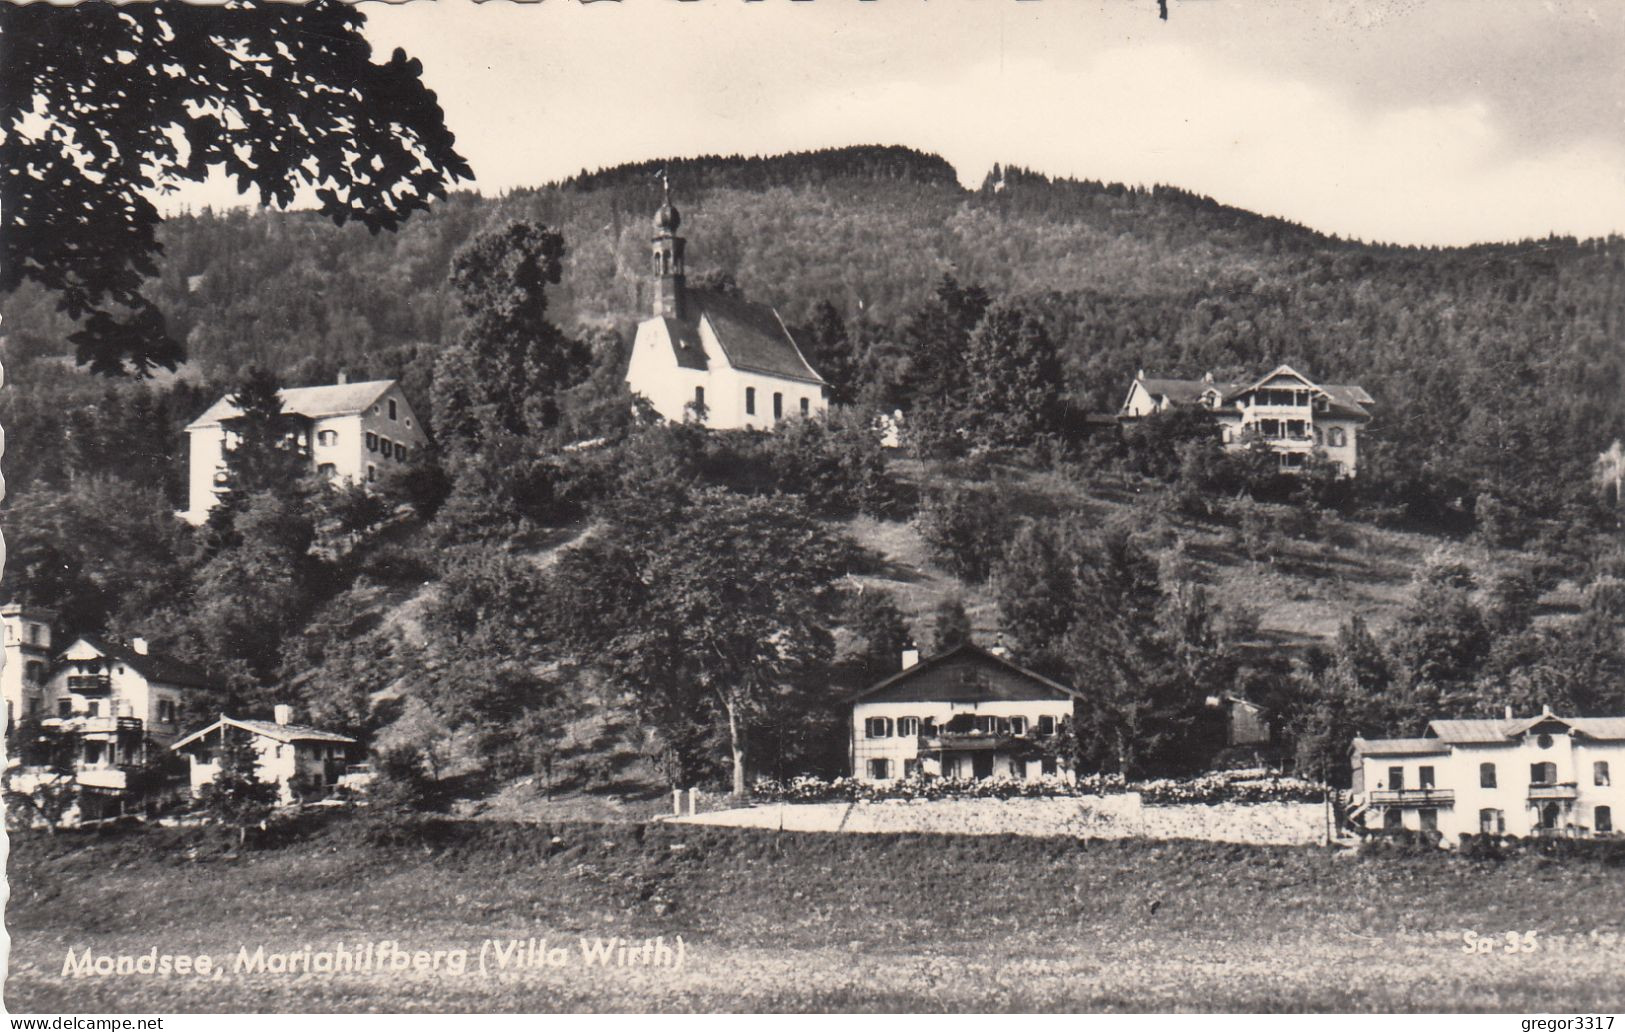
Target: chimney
[(1545, 710), (139, 645), (1509, 711), (344, 377), (284, 713), (911, 655)]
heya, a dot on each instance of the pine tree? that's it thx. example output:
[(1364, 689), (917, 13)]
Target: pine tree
[(237, 798)]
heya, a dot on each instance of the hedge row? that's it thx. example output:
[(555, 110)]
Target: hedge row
[(1240, 786)]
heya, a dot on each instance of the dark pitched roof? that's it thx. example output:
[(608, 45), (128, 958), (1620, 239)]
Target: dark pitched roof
[(1343, 399), (685, 344), (752, 336), (966, 651), (152, 666), (1485, 732)]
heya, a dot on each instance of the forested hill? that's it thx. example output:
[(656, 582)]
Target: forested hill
[(1514, 351)]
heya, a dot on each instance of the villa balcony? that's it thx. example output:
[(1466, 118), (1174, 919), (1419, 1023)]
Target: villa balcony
[(973, 741), (1412, 797), (1563, 790), (107, 778), (88, 684)]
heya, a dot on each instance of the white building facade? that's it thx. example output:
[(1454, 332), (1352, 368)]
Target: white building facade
[(711, 357), (350, 432), (298, 759), (121, 700), (1534, 776), (967, 713), (1293, 415), (27, 661)]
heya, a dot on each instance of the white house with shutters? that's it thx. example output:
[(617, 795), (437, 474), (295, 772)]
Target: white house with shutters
[(1544, 775), (1294, 415), (351, 432), (967, 713), (705, 355)]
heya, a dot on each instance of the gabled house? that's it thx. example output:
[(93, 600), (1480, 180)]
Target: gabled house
[(966, 713), (120, 700), (351, 432), (299, 759), (728, 363), (1544, 775), (1291, 413)]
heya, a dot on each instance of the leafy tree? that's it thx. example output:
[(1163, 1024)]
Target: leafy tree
[(1015, 389), (831, 351), (714, 616), (881, 631), (400, 785), (507, 370), (237, 798), (950, 624), (965, 530), (278, 97)]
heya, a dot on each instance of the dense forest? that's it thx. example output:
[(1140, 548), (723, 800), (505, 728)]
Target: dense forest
[(999, 318)]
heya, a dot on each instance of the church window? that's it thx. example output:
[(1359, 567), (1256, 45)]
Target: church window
[(750, 401), (699, 398), (806, 406), (778, 405)]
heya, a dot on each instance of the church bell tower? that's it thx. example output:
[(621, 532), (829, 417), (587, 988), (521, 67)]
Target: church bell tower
[(668, 258)]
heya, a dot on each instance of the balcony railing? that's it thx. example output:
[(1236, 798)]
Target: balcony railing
[(1562, 790), (90, 684), (1413, 796)]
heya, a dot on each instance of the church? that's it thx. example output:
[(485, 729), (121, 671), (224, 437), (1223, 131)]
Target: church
[(719, 360)]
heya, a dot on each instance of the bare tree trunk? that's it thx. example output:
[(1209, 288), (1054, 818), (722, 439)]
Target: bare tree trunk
[(738, 746)]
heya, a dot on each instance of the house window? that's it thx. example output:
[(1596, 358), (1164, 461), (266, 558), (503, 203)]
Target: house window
[(1486, 775), (1018, 725), (1543, 773), (400, 451), (1599, 772), (372, 472), (1492, 822), (386, 446), (1430, 819), (911, 768), (1046, 725), (64, 707), (327, 438), (1396, 778), (806, 406), (987, 725), (1046, 765), (877, 727), (1602, 818), (166, 711), (1269, 427), (1335, 437), (328, 470), (778, 405), (1424, 776), (35, 671), (391, 408), (908, 727), (93, 708), (879, 770), (1392, 819), (750, 401), (372, 442)]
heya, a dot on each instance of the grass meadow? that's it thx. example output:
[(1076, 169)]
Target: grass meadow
[(804, 922)]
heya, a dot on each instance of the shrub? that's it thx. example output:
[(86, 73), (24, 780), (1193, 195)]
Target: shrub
[(965, 530)]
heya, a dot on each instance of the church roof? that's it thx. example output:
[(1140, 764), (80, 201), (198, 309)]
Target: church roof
[(753, 337), (339, 399)]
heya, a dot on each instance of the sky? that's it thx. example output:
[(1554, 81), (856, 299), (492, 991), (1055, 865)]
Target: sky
[(1406, 121)]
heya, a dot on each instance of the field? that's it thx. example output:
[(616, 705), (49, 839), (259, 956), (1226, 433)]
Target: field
[(794, 922)]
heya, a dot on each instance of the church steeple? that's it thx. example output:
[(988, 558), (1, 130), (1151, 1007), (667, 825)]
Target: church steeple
[(668, 257)]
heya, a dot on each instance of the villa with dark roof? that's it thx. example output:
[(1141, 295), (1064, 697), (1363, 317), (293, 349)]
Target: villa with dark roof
[(1543, 775), (720, 360), (351, 432), (965, 713), (1294, 415), (121, 700)]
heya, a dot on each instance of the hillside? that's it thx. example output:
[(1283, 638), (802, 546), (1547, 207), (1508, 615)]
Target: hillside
[(1487, 361)]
